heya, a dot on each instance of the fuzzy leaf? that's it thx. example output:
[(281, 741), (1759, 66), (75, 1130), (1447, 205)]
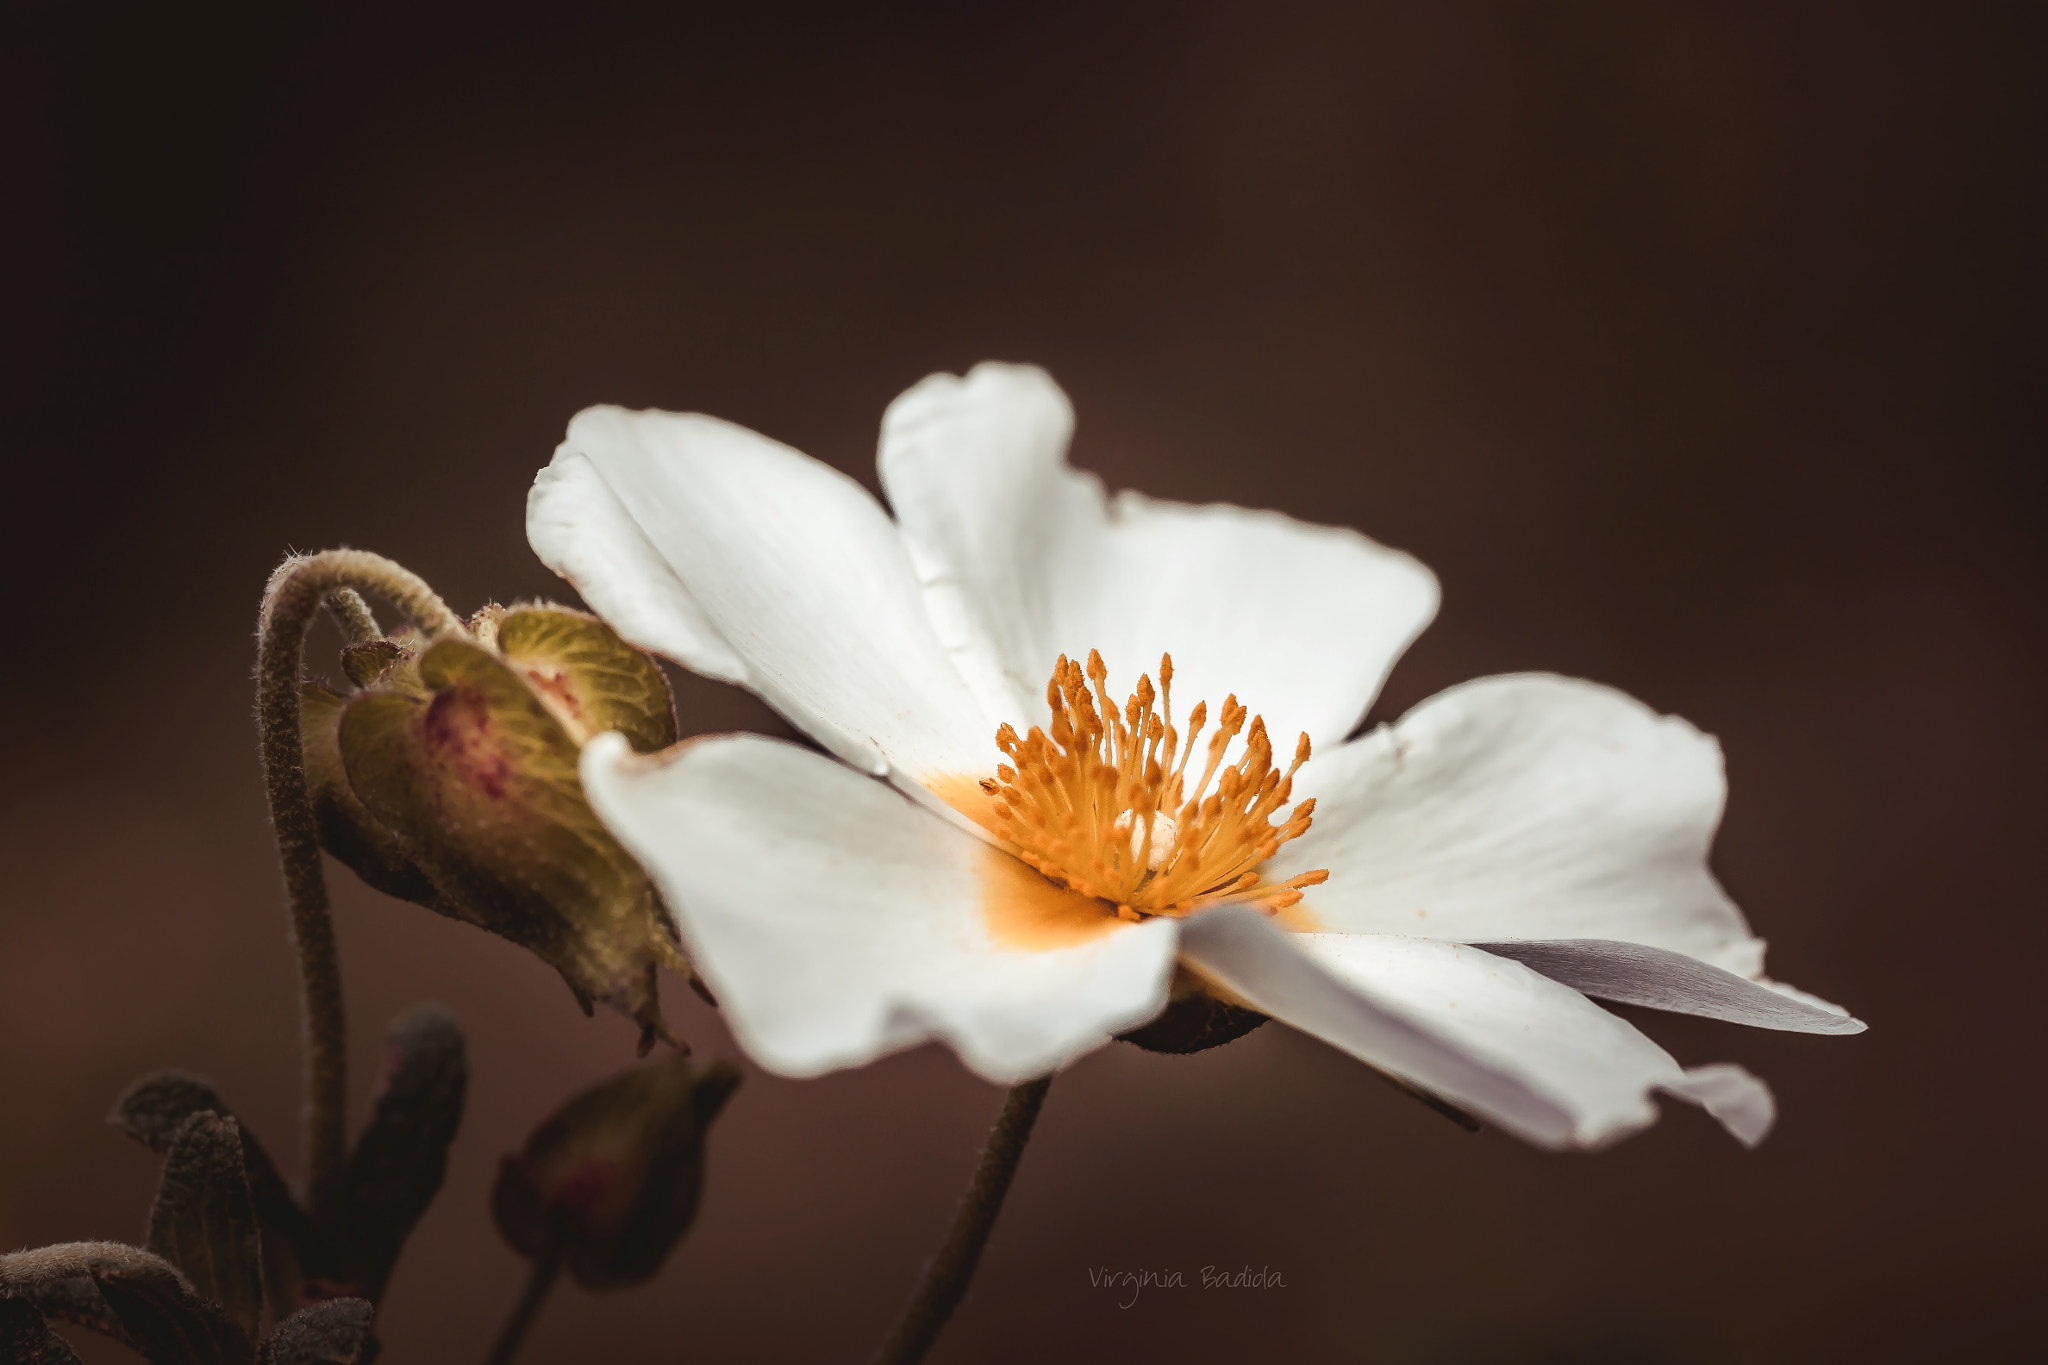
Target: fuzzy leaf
[(332, 1332), (25, 1339), (612, 1179), (203, 1221), (346, 828), (171, 1325), (165, 1320), (76, 1301), (590, 678), (399, 1162), (479, 779), (153, 1110)]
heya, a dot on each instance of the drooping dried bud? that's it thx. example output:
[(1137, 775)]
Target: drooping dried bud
[(449, 779), (610, 1183)]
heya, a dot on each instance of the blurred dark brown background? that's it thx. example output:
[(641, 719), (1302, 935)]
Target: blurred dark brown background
[(1698, 349)]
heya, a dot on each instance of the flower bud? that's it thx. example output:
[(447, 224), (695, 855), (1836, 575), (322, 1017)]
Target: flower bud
[(610, 1182), (449, 779)]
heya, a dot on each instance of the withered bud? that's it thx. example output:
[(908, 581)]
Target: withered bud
[(610, 1182), (449, 779)]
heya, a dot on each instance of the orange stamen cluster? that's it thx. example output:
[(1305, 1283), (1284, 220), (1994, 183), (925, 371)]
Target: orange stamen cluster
[(1099, 804)]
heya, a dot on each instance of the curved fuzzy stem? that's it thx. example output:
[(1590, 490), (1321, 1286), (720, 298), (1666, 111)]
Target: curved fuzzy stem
[(352, 614), (547, 1268), (946, 1277), (296, 592)]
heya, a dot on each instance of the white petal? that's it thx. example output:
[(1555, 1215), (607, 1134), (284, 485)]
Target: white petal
[(1023, 559), (1739, 1100), (756, 563), (1639, 975), (1526, 806), (836, 922), (1488, 1034), (575, 524)]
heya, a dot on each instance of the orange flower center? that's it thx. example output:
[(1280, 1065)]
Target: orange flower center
[(1100, 804)]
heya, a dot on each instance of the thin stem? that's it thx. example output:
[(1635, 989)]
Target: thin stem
[(547, 1268), (295, 593), (945, 1278), (351, 613)]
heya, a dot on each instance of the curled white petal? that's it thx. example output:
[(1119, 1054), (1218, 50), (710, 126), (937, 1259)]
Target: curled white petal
[(1486, 1033), (1023, 559), (742, 557), (837, 922), (1636, 974), (578, 528)]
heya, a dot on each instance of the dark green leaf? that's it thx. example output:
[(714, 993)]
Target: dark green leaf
[(170, 1324), (151, 1113), (203, 1221), (399, 1162), (77, 1301), (25, 1339), (155, 1304)]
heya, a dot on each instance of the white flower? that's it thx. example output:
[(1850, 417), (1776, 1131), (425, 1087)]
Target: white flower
[(1507, 849)]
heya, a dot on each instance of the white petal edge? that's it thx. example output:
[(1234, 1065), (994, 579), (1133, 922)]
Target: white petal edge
[(1525, 806), (576, 526), (1513, 1047), (837, 922), (790, 566), (1023, 558), (1635, 974)]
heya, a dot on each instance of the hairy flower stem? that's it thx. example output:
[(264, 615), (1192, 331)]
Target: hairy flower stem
[(547, 1268), (297, 590), (352, 614), (945, 1278)]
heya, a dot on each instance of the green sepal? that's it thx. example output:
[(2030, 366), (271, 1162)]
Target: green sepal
[(1194, 1020), (590, 678), (367, 663), (478, 776), (346, 828)]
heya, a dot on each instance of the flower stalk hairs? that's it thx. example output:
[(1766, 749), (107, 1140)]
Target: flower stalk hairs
[(1013, 843)]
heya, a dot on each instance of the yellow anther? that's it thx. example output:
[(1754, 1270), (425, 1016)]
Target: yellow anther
[(1097, 800)]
